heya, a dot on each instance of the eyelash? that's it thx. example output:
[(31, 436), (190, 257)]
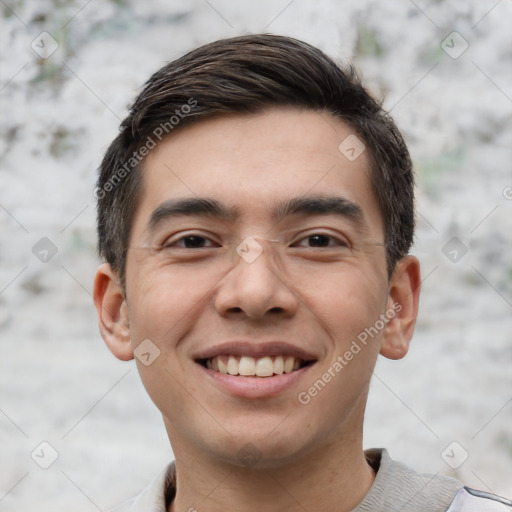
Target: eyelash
[(340, 243)]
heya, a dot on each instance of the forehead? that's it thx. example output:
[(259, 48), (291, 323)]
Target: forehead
[(253, 163)]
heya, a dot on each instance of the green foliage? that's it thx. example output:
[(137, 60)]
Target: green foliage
[(64, 141), (368, 43), (429, 169)]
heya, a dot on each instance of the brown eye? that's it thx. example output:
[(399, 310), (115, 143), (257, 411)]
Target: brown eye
[(322, 240), (319, 240), (190, 242)]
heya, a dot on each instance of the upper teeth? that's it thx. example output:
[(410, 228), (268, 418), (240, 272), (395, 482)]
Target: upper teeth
[(247, 366)]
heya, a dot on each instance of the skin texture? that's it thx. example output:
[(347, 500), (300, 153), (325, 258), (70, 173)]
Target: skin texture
[(319, 299)]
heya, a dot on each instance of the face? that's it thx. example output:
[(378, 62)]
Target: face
[(255, 268)]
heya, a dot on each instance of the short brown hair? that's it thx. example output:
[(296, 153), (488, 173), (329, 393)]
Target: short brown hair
[(244, 75)]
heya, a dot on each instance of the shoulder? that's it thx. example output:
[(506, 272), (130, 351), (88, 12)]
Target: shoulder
[(398, 487), (470, 500)]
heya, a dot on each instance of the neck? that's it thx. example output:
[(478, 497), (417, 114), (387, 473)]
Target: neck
[(337, 477)]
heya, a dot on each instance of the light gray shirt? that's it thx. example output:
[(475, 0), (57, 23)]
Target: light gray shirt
[(396, 488)]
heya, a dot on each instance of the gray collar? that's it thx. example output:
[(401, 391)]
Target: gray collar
[(398, 488)]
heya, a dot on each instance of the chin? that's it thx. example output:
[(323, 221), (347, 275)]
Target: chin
[(257, 451)]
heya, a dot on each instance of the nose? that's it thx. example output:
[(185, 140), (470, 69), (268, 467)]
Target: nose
[(255, 286)]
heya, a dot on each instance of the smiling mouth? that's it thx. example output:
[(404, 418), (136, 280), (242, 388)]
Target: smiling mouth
[(246, 366)]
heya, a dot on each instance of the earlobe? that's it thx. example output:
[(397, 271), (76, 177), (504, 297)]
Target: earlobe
[(402, 308), (112, 310)]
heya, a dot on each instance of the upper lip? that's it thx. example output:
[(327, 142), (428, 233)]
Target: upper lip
[(256, 350)]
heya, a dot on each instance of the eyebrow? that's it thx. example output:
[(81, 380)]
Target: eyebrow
[(308, 205)]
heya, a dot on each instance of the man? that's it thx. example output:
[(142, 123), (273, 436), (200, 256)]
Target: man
[(255, 214)]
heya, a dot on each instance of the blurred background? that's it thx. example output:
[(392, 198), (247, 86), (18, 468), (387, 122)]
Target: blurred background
[(77, 429)]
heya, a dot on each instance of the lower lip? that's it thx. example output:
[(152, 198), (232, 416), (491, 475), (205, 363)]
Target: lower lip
[(255, 387)]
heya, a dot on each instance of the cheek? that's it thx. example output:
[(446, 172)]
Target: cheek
[(163, 308), (346, 306), (165, 302), (345, 302)]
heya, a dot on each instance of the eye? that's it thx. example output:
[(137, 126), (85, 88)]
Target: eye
[(189, 242), (322, 240)]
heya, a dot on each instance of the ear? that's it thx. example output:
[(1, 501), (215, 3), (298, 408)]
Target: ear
[(112, 312), (402, 308)]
